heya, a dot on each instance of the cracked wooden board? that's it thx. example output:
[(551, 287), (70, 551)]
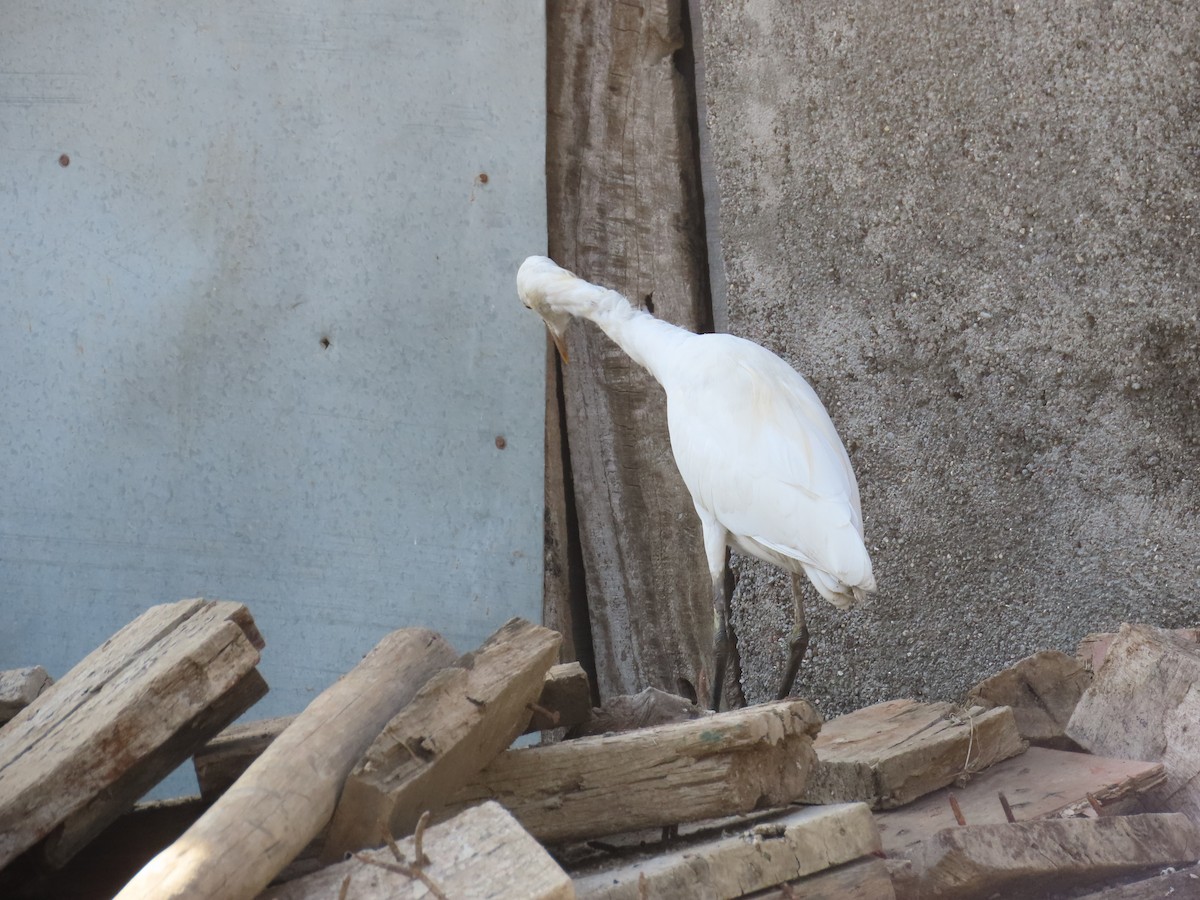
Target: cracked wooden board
[(90, 745), (1039, 783), (723, 764), (892, 753), (480, 852), (770, 852)]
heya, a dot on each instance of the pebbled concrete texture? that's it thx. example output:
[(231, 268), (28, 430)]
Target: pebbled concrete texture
[(974, 229)]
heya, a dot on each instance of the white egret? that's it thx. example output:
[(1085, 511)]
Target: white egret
[(766, 470)]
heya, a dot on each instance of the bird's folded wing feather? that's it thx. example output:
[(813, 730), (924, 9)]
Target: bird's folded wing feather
[(757, 449)]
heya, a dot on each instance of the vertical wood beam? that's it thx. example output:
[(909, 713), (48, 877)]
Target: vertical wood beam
[(626, 211)]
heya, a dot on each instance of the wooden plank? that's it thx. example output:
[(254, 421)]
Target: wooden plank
[(863, 879), (223, 759), (131, 710), (891, 753), (625, 210), (456, 725), (92, 818), (1036, 858), (1042, 691), (1183, 884), (720, 765), (1143, 704), (798, 843), (288, 794), (19, 688), (482, 852), (1039, 783)]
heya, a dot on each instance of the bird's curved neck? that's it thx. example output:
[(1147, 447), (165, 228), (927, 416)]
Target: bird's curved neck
[(646, 339)]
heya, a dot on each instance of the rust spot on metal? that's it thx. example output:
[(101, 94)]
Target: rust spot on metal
[(483, 177)]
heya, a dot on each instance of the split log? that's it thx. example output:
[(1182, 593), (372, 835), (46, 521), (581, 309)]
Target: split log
[(288, 794), (480, 852), (1042, 691), (19, 688), (1143, 704), (892, 753), (129, 713), (1040, 783), (1093, 648), (863, 879), (565, 694), (643, 710), (1183, 884), (466, 715), (771, 852), (1035, 859), (723, 764)]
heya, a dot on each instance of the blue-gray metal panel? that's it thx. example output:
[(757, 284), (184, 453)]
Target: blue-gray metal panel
[(260, 331)]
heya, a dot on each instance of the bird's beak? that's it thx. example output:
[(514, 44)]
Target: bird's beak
[(561, 343)]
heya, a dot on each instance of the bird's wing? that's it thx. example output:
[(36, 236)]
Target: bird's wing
[(757, 449)]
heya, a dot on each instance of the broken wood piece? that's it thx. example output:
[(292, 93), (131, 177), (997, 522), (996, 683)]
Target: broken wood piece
[(19, 688), (481, 851), (131, 711), (891, 753), (1093, 648), (459, 721), (864, 879), (567, 695), (1039, 783), (219, 763), (723, 764), (288, 794), (1042, 691), (642, 710), (1035, 858), (797, 843), (1181, 884), (1143, 704)]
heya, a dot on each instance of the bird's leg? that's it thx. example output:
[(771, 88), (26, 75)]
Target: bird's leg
[(716, 552), (720, 639), (798, 644)]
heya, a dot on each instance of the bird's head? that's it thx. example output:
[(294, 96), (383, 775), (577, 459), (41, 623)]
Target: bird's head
[(536, 282)]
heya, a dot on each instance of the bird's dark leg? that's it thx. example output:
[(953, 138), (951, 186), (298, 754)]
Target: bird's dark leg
[(720, 639), (798, 645), (725, 647)]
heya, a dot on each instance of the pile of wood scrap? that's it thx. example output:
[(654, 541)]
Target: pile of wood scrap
[(405, 778)]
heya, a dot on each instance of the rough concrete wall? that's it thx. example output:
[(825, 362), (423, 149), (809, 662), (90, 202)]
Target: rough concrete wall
[(973, 227)]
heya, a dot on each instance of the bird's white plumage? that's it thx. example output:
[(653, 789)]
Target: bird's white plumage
[(766, 469)]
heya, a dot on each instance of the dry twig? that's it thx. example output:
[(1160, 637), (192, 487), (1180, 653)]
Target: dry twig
[(416, 871)]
